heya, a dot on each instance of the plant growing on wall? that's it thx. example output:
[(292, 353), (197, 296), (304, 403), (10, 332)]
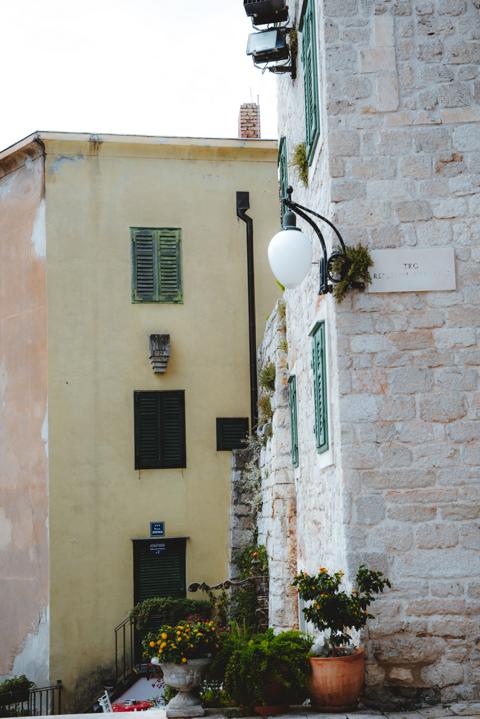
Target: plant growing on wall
[(267, 377), (247, 601), (300, 163), (357, 275)]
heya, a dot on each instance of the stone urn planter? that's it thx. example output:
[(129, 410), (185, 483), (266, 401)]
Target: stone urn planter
[(336, 683), (184, 678)]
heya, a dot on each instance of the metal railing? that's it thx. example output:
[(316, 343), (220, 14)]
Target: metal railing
[(124, 649), (41, 701)]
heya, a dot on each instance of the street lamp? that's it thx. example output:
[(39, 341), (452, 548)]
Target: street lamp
[(290, 251)]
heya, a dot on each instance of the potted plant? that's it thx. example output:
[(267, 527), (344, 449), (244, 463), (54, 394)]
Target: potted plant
[(266, 671), (183, 652), (338, 667)]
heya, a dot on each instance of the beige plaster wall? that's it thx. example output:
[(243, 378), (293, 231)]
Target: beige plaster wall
[(98, 356), (23, 419)]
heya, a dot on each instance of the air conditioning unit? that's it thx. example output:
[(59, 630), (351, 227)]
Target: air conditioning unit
[(265, 12)]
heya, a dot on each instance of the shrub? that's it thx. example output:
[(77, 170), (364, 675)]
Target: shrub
[(168, 610)]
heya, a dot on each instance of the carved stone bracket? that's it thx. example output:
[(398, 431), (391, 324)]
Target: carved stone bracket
[(159, 352)]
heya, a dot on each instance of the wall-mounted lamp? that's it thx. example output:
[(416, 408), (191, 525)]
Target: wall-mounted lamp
[(265, 12), (268, 45), (290, 251)]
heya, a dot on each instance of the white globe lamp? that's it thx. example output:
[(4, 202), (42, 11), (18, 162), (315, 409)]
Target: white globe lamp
[(290, 253)]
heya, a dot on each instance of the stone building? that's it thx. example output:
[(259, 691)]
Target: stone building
[(386, 100), (124, 382)]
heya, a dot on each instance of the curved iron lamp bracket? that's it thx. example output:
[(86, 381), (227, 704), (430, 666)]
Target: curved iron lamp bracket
[(333, 268)]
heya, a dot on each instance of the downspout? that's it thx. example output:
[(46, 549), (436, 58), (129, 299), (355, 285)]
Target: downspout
[(243, 204)]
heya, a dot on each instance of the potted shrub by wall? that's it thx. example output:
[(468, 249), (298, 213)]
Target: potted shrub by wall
[(266, 672), (15, 690), (183, 653), (338, 667)]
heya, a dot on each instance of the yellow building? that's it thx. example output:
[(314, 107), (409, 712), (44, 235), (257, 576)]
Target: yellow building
[(108, 244)]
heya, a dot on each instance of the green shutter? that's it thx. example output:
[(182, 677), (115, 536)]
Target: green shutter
[(310, 78), (169, 266), (160, 429), (320, 386), (282, 171), (156, 263), (144, 266), (159, 568), (292, 400)]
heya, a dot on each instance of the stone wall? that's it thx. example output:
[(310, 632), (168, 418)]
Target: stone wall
[(397, 165)]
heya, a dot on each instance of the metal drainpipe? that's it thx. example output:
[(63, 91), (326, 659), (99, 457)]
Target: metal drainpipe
[(243, 204)]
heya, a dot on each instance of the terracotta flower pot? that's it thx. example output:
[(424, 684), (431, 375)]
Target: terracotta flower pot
[(336, 683)]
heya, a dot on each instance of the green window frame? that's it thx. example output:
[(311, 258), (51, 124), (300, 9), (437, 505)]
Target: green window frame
[(308, 28), (320, 395), (292, 401), (282, 171), (156, 264)]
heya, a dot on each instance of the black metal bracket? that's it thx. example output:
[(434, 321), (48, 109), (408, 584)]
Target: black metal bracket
[(333, 268)]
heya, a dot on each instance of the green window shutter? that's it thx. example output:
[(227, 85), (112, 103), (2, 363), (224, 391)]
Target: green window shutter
[(159, 430), (157, 267), (144, 266), (310, 78), (232, 433), (292, 400), (159, 568), (282, 170), (169, 266), (320, 387)]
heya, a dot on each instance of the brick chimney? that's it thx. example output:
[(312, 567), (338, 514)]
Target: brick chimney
[(249, 120)]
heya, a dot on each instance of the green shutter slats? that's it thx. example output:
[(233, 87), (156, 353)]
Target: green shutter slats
[(144, 264), (310, 79), (159, 573), (282, 171), (320, 387), (157, 269), (173, 429), (292, 400), (169, 268), (160, 430)]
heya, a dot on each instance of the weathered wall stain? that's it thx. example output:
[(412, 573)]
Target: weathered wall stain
[(23, 401)]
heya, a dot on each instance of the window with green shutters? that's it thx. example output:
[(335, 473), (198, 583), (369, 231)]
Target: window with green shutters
[(282, 170), (156, 264), (308, 28), (159, 429), (292, 400), (319, 367)]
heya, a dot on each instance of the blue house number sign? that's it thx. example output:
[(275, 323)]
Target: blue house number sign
[(157, 529)]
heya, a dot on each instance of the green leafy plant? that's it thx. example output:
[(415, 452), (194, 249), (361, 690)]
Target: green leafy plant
[(267, 377), (266, 668), (186, 640), (16, 685), (357, 275), (300, 163), (168, 610), (333, 609), (213, 694), (283, 345), (251, 563), (265, 406)]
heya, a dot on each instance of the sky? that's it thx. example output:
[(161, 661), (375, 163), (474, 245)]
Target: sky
[(144, 67)]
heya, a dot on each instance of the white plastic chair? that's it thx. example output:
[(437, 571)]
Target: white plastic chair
[(105, 703)]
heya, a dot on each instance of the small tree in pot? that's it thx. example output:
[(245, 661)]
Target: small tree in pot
[(338, 669)]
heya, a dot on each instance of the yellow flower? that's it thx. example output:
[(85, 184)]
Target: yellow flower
[(183, 660), (323, 570), (163, 645), (163, 635), (152, 644)]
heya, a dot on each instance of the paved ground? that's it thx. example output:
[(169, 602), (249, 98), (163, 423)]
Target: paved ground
[(465, 710)]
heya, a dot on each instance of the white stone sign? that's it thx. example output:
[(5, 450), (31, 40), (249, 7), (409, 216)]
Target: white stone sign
[(413, 270)]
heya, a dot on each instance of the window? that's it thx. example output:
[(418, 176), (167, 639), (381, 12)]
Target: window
[(231, 433), (292, 401), (156, 265), (320, 386), (282, 171), (160, 429), (308, 29)]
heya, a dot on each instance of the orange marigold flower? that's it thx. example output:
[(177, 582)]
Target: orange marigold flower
[(163, 635), (323, 570), (151, 644)]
